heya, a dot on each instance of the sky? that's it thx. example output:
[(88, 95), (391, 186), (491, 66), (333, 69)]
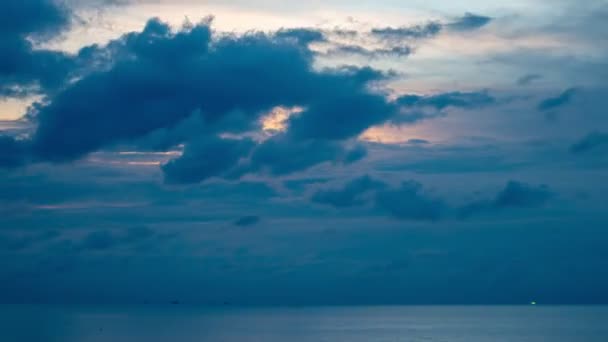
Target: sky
[(332, 152)]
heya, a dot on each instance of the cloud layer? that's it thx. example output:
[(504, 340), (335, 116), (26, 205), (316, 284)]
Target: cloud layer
[(301, 154)]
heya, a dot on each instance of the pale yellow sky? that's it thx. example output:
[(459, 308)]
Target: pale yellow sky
[(13, 109)]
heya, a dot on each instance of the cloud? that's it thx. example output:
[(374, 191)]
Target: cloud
[(24, 69), (302, 35), (469, 22), (206, 94), (206, 158), (345, 33), (350, 49), (349, 109), (591, 141), (167, 76), (166, 138), (159, 88), (517, 194), (355, 192), (514, 195), (143, 87), (282, 155), (414, 108), (554, 102), (409, 202), (246, 221), (528, 79), (393, 34), (38, 17), (418, 142), (466, 100)]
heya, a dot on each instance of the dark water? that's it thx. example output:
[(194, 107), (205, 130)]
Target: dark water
[(339, 324)]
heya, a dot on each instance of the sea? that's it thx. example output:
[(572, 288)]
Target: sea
[(306, 324)]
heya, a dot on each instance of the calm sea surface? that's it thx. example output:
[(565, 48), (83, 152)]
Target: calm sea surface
[(339, 324)]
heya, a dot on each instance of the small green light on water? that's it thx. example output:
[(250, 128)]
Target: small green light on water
[(532, 303)]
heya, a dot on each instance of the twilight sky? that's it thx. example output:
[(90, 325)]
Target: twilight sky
[(324, 152)]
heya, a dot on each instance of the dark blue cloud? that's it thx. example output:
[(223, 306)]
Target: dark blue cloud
[(158, 89), (348, 112), (301, 35), (514, 195), (153, 81), (96, 107), (24, 69), (409, 202), (469, 22), (38, 17), (344, 33), (418, 142), (246, 221), (427, 30), (204, 159), (355, 192), (465, 100), (555, 102), (414, 108), (350, 49), (591, 141), (282, 155), (517, 194), (166, 138), (527, 79)]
